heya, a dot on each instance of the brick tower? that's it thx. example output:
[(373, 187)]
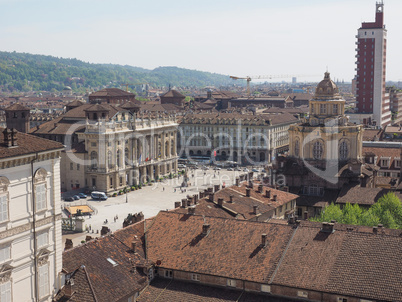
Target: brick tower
[(17, 117)]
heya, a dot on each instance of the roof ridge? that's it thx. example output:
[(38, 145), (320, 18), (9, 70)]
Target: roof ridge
[(90, 283)]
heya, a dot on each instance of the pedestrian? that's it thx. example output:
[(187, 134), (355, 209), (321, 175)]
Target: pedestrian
[(175, 190), (90, 227), (163, 189)]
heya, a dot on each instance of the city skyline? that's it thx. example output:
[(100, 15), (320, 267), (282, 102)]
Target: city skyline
[(225, 37)]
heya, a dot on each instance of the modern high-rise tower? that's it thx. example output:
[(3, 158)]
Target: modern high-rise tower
[(370, 76)]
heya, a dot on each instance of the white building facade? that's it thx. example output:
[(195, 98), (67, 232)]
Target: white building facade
[(30, 219)]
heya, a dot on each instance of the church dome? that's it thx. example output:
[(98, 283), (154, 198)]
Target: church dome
[(327, 89)]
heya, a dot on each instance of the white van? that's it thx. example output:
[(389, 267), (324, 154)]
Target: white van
[(98, 195)]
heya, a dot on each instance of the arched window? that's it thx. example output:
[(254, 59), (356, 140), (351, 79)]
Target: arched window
[(318, 150), (343, 150), (297, 147), (94, 160), (159, 149), (118, 160)]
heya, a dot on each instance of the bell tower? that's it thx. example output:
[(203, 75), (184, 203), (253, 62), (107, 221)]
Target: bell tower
[(17, 117)]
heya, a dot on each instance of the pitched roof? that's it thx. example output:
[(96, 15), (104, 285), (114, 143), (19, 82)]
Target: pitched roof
[(351, 261), (111, 92), (27, 144), (110, 281), (172, 94), (361, 196), (162, 290), (231, 249), (16, 106)]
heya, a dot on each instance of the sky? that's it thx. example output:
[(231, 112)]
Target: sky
[(278, 39)]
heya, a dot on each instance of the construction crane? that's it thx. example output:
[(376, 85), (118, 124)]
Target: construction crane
[(265, 77)]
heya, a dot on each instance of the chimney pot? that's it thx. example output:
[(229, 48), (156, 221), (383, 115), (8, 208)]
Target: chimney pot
[(184, 203), (216, 188), (264, 240), (248, 190), (255, 210), (237, 181), (275, 196), (231, 198), (260, 188), (191, 210), (268, 193), (220, 202), (177, 204), (211, 197), (380, 226), (327, 227), (205, 229), (134, 246)]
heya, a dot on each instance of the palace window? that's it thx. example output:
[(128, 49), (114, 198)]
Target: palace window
[(94, 160), (323, 108), (5, 254), (43, 280), (231, 282), (335, 109), (42, 239), (343, 150), (318, 150), (5, 291), (4, 207), (195, 277), (40, 196), (297, 147)]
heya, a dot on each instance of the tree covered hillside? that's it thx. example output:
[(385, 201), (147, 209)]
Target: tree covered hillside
[(27, 72)]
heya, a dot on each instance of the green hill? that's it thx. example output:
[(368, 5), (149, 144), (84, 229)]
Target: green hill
[(26, 72)]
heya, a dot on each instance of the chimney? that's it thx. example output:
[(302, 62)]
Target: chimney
[(327, 227), (275, 197), (305, 215), (216, 188), (211, 197), (291, 220), (104, 230), (231, 199), (210, 189), (250, 184), (88, 238), (220, 202), (184, 203), (264, 240), (195, 198), (375, 229), (237, 181), (255, 210), (177, 204), (268, 193), (205, 229), (68, 244), (7, 133), (14, 137), (68, 288), (260, 188), (248, 190), (191, 210), (134, 247), (380, 226)]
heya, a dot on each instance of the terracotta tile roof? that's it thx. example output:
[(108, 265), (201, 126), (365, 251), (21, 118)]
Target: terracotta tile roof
[(351, 261), (75, 103), (362, 196), (27, 144), (16, 106), (231, 249), (160, 107), (164, 290), (172, 94), (110, 282), (372, 134), (368, 265), (111, 92)]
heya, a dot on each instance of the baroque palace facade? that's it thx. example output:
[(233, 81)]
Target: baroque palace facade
[(325, 151), (239, 137), (109, 147)]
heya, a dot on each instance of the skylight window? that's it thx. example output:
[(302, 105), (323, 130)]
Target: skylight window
[(114, 263)]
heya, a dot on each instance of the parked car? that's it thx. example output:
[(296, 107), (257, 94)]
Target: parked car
[(229, 169), (237, 169), (82, 195), (69, 199), (255, 170), (76, 197), (246, 170), (217, 168)]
